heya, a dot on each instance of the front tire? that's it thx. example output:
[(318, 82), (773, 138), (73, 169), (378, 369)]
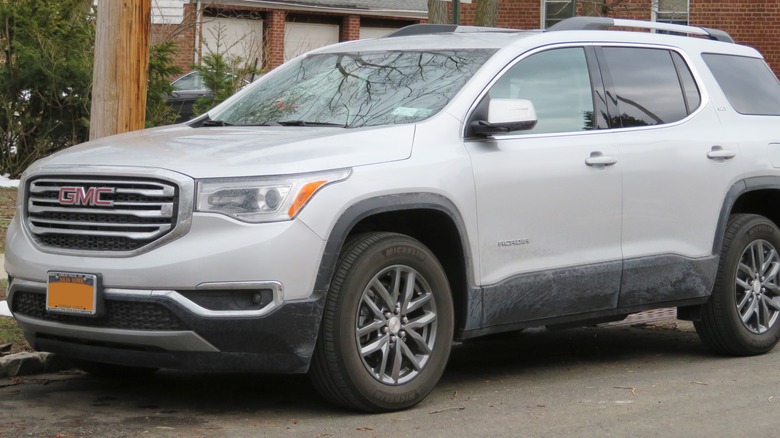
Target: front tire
[(387, 325), (742, 315)]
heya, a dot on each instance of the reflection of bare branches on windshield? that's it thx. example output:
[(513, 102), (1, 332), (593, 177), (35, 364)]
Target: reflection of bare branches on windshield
[(362, 89)]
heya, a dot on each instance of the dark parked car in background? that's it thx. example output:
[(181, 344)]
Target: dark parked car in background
[(188, 88)]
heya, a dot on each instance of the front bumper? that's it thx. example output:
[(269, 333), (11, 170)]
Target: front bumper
[(160, 329)]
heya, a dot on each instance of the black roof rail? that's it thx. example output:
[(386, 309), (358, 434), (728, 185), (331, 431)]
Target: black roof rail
[(426, 29), (596, 23)]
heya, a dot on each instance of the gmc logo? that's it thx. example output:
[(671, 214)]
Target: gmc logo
[(84, 196)]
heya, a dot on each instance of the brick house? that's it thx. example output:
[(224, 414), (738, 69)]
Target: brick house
[(267, 33)]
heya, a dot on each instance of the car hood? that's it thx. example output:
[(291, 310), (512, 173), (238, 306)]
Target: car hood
[(213, 152)]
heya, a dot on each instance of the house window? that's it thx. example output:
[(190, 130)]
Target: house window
[(671, 11), (555, 11)]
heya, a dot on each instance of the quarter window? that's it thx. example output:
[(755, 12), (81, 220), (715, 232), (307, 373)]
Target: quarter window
[(749, 84), (558, 84), (647, 87)]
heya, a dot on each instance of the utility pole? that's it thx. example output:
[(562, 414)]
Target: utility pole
[(121, 64), (455, 11)]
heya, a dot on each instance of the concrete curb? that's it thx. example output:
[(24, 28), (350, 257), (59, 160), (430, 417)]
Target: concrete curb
[(23, 364)]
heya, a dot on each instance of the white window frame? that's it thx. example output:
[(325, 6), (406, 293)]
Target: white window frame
[(656, 10), (543, 18)]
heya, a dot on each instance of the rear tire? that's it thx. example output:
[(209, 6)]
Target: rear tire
[(742, 315), (387, 325)]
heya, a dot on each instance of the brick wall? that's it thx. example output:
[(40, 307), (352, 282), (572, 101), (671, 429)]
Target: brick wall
[(183, 34), (514, 14), (273, 39), (350, 28), (754, 23)]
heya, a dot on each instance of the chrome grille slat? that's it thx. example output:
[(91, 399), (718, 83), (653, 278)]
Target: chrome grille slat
[(97, 224), (76, 232), (168, 212), (139, 212)]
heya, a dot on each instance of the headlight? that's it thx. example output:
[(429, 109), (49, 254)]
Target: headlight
[(263, 199)]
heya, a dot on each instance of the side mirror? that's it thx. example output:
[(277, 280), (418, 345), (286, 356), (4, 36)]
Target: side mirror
[(506, 115)]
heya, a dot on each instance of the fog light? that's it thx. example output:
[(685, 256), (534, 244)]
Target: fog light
[(257, 298)]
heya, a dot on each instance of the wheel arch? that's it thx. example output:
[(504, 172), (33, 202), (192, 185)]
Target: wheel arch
[(757, 195), (430, 218)]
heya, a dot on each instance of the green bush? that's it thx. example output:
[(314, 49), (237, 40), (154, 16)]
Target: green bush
[(46, 58), (161, 70)]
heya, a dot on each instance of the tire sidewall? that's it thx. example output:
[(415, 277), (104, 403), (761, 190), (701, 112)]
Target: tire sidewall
[(756, 228), (383, 254)]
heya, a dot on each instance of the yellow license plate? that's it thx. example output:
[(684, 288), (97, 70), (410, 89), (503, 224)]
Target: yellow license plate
[(72, 293)]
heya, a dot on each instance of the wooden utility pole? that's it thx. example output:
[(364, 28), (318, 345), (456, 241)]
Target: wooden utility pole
[(121, 64)]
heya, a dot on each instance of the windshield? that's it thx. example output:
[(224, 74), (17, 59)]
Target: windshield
[(356, 89)]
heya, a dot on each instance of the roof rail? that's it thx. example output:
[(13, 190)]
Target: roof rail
[(596, 23), (426, 29)]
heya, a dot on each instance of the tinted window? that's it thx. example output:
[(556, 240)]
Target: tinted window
[(647, 87), (558, 84), (749, 84)]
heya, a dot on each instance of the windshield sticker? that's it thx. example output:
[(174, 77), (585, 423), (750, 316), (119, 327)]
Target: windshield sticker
[(412, 112)]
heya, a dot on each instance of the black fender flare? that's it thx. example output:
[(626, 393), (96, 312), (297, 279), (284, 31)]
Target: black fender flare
[(398, 202), (738, 189)]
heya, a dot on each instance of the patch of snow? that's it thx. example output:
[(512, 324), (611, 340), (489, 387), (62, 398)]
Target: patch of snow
[(4, 310), (5, 182)]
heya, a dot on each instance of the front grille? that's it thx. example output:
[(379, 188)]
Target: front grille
[(129, 315), (97, 214)]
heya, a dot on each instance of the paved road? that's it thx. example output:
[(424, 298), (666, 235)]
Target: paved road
[(615, 381)]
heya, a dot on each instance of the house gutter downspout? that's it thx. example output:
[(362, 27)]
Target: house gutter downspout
[(198, 29)]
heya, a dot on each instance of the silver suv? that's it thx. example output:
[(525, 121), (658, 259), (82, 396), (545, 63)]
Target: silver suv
[(362, 206)]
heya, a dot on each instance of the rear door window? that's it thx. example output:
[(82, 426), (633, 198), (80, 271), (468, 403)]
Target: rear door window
[(748, 83), (647, 87)]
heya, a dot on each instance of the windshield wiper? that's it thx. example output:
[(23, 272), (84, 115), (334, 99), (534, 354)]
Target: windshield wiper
[(209, 122), (305, 123)]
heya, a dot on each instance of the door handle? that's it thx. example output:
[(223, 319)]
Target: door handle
[(599, 159), (718, 153)]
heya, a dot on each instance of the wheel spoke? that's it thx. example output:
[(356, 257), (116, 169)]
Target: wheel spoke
[(419, 341), (746, 270), (396, 289), (397, 359), (773, 271), (426, 319), (374, 346), (743, 284), (409, 355), (383, 364), (749, 312), (768, 262), (376, 325), (775, 289), (744, 301), (409, 291), (758, 257), (773, 303), (763, 315), (416, 304), (372, 305), (383, 293)]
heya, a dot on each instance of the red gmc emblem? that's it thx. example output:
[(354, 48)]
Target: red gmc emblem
[(84, 196)]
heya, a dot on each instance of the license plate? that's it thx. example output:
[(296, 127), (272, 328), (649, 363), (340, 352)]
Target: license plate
[(72, 293)]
